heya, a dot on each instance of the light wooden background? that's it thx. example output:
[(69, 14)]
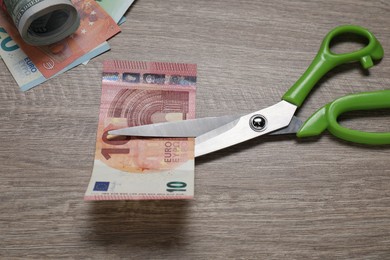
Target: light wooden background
[(271, 198)]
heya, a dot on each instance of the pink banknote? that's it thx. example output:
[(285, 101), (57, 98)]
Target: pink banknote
[(96, 27), (139, 93)]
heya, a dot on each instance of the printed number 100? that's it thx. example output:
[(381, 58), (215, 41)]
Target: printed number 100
[(176, 186)]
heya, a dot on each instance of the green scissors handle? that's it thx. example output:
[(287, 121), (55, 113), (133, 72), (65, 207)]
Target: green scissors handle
[(326, 60), (326, 118)]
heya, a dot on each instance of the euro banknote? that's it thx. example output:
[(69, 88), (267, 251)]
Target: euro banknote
[(42, 22), (122, 20), (130, 168), (24, 71), (96, 26), (116, 9)]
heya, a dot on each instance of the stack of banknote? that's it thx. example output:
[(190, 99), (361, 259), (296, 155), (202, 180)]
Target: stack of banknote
[(42, 39), (131, 168)]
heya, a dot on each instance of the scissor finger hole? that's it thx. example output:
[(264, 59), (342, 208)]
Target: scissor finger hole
[(347, 42), (366, 120)]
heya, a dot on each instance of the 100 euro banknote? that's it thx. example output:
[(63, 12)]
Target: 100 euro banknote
[(116, 9), (139, 93)]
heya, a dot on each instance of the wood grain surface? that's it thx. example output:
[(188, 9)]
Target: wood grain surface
[(270, 198)]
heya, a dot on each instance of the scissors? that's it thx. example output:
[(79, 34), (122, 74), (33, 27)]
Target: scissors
[(215, 133)]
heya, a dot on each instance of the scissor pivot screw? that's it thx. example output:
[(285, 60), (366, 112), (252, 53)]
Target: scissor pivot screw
[(258, 123)]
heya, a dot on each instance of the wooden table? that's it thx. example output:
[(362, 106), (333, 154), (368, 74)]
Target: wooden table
[(271, 198)]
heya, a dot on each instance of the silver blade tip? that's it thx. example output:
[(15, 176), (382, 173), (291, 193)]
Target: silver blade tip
[(116, 132)]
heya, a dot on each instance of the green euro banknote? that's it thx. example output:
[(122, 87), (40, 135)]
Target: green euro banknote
[(116, 9)]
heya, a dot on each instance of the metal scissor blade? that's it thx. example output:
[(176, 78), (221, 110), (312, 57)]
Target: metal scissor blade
[(187, 128), (292, 128), (276, 117)]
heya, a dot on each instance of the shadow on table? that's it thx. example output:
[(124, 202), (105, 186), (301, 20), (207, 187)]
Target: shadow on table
[(151, 224)]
